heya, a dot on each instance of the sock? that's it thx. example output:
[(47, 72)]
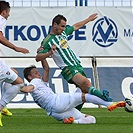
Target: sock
[(10, 94), (1, 107), (4, 87), (92, 90), (96, 100)]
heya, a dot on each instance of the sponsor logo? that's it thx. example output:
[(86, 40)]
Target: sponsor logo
[(105, 32), (63, 44), (7, 73), (36, 32)]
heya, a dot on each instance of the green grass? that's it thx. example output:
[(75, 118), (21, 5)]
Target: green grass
[(36, 121)]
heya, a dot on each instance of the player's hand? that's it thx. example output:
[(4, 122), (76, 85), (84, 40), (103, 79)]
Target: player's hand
[(93, 17), (22, 50), (53, 49), (40, 48)]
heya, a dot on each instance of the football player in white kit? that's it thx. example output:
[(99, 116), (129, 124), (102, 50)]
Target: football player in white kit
[(7, 75), (61, 106)]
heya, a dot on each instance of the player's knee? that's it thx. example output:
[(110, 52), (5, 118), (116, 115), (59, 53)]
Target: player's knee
[(86, 84)]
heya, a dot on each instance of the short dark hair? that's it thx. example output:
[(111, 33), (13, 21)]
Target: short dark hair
[(57, 19), (27, 72), (4, 5)]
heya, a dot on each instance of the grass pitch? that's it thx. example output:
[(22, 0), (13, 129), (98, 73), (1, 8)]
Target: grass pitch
[(36, 121)]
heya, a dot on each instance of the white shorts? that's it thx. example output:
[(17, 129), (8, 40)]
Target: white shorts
[(64, 106), (6, 73), (69, 113)]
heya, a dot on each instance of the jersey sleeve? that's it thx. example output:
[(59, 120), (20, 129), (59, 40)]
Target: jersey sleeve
[(46, 47), (1, 27), (69, 30), (34, 83)]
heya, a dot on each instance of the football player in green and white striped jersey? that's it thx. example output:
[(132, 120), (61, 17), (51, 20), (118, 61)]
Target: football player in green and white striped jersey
[(56, 45)]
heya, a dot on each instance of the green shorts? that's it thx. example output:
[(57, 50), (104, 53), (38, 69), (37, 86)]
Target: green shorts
[(70, 71)]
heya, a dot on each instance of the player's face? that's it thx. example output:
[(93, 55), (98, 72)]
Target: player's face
[(35, 73), (6, 13), (59, 28)]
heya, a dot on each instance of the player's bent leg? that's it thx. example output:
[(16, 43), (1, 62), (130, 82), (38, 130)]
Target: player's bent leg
[(103, 95), (10, 94), (85, 119), (78, 90), (74, 116)]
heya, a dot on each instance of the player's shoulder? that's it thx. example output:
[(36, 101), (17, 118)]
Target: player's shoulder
[(69, 30), (47, 39), (2, 20), (36, 80)]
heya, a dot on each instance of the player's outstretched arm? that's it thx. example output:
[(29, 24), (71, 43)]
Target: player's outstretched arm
[(82, 23), (27, 89), (45, 76), (8, 44), (42, 56)]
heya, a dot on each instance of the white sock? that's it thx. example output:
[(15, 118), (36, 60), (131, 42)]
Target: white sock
[(9, 95), (1, 107), (96, 100), (4, 88)]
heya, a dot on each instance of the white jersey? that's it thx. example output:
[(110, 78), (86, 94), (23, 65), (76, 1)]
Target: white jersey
[(2, 29), (42, 94), (2, 64), (6, 74), (57, 105), (2, 24)]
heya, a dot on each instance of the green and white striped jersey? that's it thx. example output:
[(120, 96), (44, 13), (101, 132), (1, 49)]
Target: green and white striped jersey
[(64, 55)]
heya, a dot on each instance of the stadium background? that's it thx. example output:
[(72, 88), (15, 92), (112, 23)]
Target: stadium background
[(108, 64)]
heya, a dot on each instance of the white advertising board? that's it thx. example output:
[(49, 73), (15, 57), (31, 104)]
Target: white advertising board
[(109, 35)]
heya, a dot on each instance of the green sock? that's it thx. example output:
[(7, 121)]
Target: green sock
[(92, 90)]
